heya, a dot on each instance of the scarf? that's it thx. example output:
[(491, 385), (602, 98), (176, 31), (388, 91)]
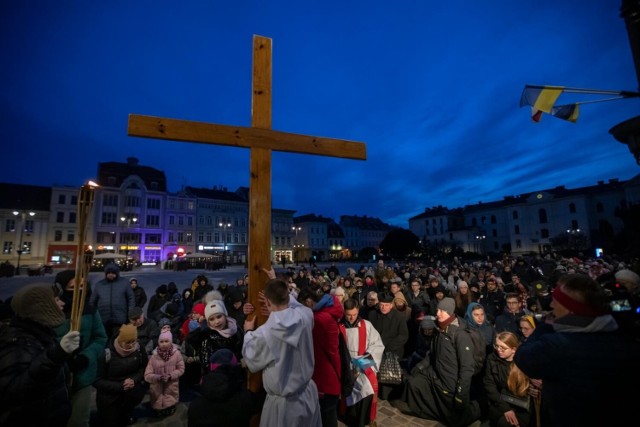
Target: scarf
[(443, 325), (230, 330), (165, 353), (122, 352)]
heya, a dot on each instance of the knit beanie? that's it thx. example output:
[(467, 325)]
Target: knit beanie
[(215, 307), (165, 336), (36, 302), (448, 305), (224, 356), (463, 284), (127, 333), (198, 308), (64, 277), (628, 276)]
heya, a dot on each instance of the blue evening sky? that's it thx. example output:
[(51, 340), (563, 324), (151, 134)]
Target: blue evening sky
[(431, 87)]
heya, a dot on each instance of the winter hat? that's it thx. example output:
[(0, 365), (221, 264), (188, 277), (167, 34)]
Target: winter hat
[(463, 284), (127, 333), (164, 322), (36, 302), (211, 296), (133, 279), (215, 307), (165, 336), (111, 268), (172, 288), (64, 277), (628, 276), (235, 295), (385, 297), (224, 356), (198, 308), (134, 313), (162, 289), (448, 305), (427, 323)]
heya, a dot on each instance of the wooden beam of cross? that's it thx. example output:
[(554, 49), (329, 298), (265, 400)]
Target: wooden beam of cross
[(261, 140)]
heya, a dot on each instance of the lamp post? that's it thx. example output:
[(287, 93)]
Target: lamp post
[(480, 238), (295, 245), (128, 219), (23, 216), (224, 226)]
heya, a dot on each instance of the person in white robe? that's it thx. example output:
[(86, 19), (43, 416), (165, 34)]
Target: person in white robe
[(282, 348), (366, 349)]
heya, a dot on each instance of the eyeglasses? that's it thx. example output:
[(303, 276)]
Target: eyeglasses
[(501, 348)]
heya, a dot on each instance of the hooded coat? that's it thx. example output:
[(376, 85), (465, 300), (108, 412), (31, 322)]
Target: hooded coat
[(113, 299), (326, 315)]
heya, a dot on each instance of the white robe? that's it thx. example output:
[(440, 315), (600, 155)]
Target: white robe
[(374, 346), (283, 349)]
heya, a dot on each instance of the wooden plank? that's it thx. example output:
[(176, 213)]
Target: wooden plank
[(259, 187), (245, 137)]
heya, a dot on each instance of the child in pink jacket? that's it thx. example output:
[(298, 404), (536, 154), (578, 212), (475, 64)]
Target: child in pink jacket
[(163, 371)]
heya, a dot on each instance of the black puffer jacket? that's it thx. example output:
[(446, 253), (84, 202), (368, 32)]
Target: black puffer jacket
[(33, 388), (113, 372)]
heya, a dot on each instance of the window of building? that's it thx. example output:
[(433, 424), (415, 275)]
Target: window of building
[(216, 237), (72, 217), (109, 218), (516, 229), (572, 208), (189, 237), (62, 199), (599, 207), (209, 237), (172, 220), (542, 215), (180, 220), (7, 247), (153, 238), (493, 219), (180, 236), (514, 215), (190, 221), (74, 200), (494, 232), (110, 200), (57, 235), (200, 236), (209, 220), (201, 220), (153, 220), (10, 225), (26, 248), (106, 237), (544, 233), (277, 240), (28, 225), (132, 201), (153, 203), (518, 243), (59, 217), (244, 238), (574, 224), (170, 237), (70, 236)]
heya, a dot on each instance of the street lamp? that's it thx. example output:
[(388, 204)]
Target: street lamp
[(128, 219), (224, 226), (295, 245), (23, 215), (480, 238)]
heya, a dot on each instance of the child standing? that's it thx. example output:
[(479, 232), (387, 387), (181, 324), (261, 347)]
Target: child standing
[(162, 373), (218, 331)]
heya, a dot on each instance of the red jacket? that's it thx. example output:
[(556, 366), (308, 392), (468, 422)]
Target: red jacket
[(326, 373)]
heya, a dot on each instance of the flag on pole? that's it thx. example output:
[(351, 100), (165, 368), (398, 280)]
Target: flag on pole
[(542, 99)]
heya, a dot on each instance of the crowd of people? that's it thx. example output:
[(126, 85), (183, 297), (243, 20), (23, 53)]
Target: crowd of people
[(509, 342)]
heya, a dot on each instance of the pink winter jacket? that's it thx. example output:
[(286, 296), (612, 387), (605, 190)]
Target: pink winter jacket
[(164, 394)]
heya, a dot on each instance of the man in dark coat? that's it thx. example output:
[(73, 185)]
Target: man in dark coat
[(588, 368), (439, 387), (392, 326), (492, 300), (33, 385), (509, 320), (113, 297)]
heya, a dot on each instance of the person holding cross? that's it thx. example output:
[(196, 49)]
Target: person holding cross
[(282, 348)]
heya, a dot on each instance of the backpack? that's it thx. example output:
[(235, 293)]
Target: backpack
[(479, 349), (347, 377)]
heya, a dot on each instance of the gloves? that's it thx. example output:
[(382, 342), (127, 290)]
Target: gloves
[(78, 363), (70, 342)]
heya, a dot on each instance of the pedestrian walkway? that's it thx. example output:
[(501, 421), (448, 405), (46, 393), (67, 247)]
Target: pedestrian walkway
[(388, 416)]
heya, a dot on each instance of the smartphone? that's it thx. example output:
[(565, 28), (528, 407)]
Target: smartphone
[(620, 305)]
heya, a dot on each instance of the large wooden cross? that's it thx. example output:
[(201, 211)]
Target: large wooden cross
[(261, 140)]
